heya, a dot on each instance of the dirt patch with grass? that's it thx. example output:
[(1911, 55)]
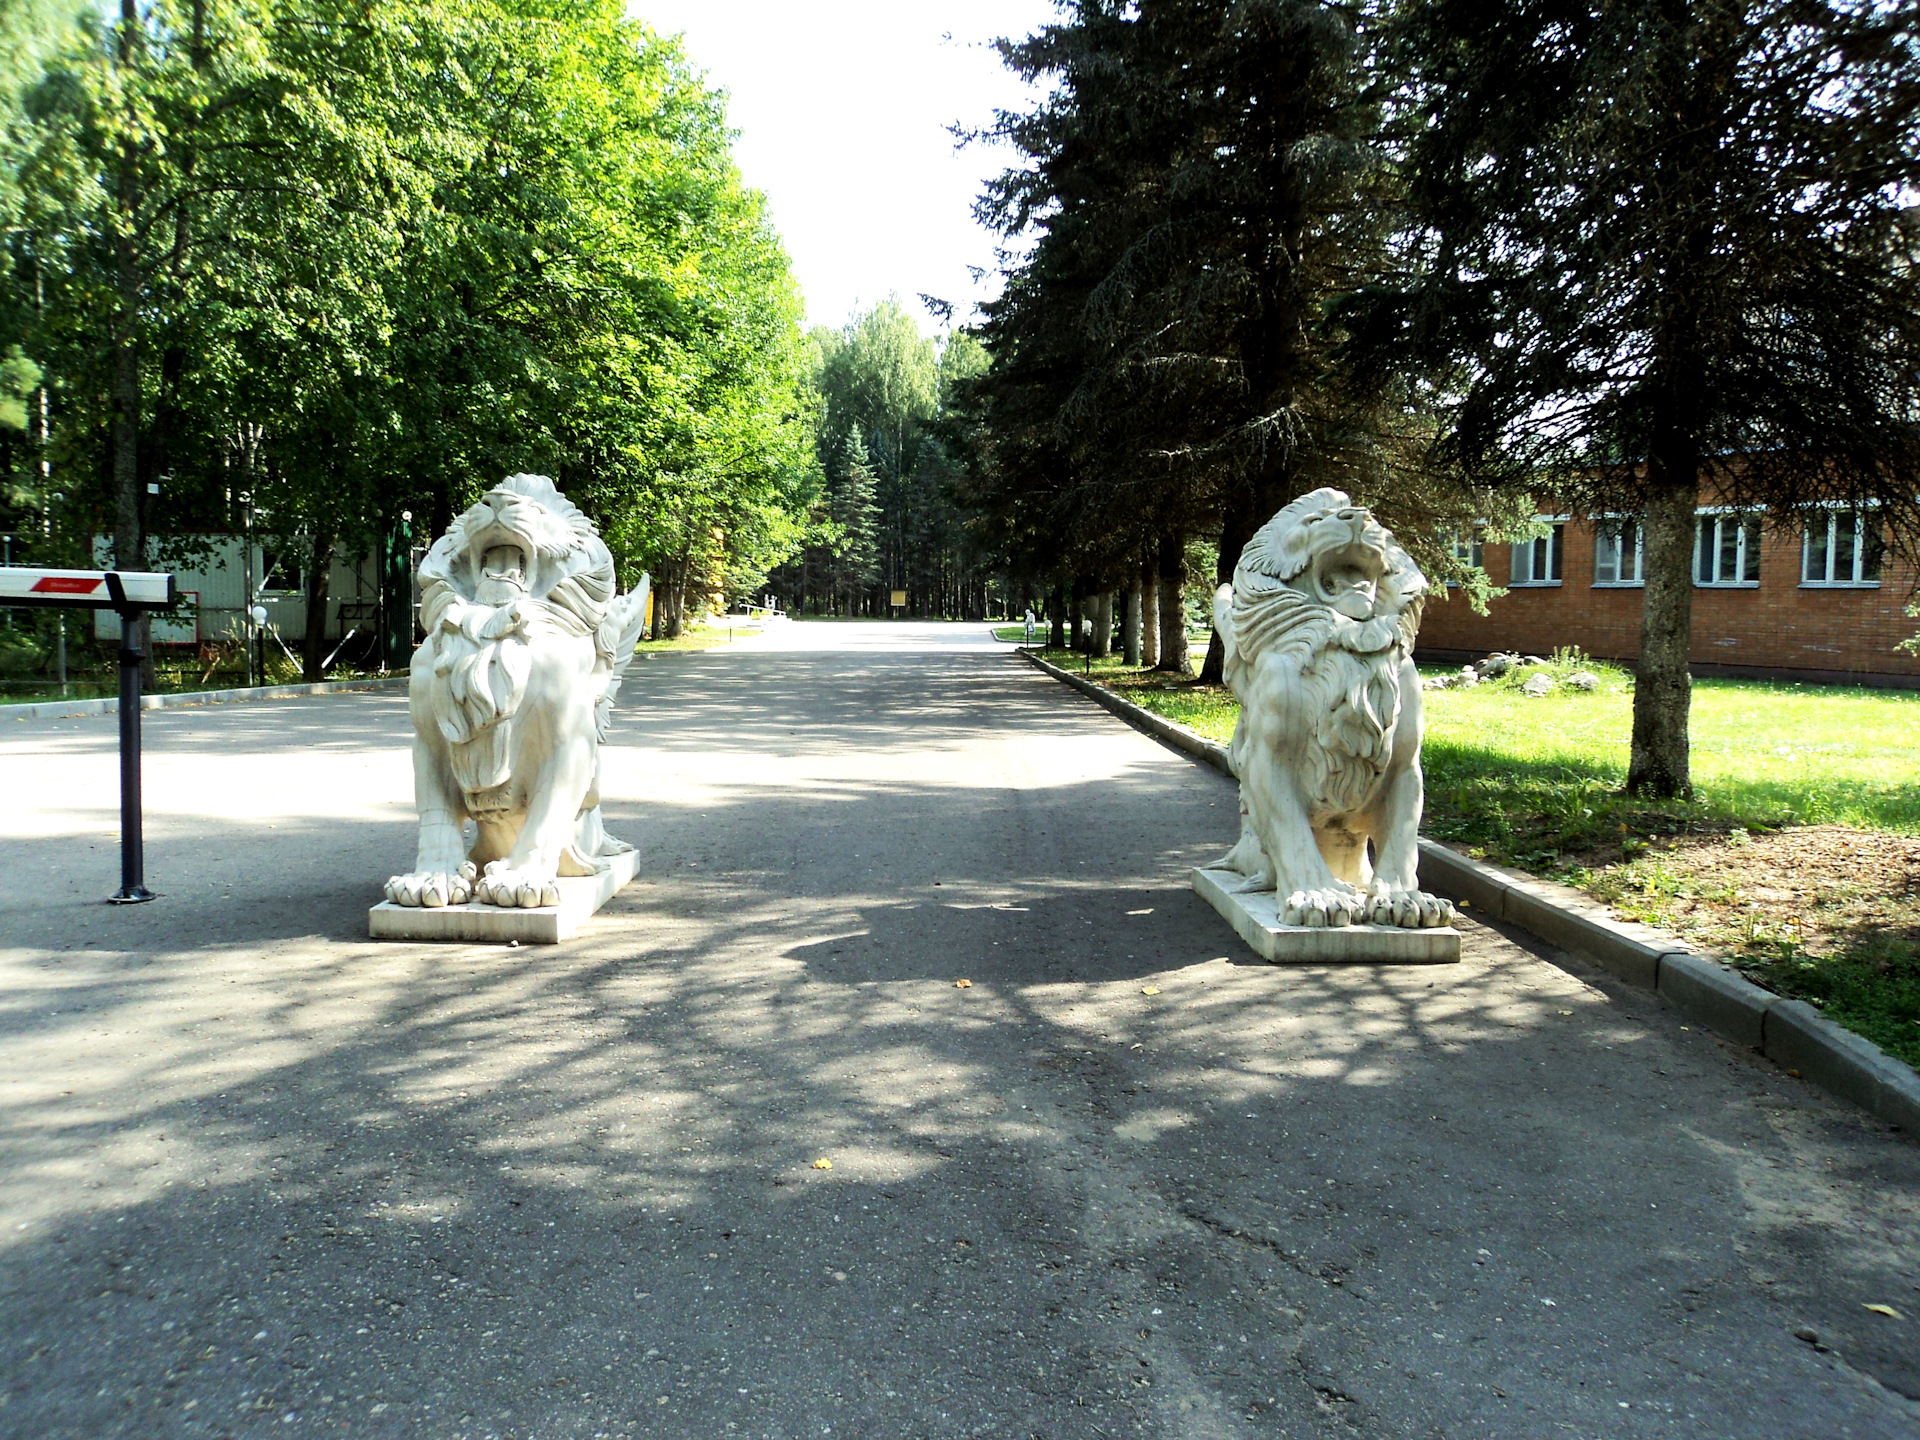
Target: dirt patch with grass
[(1828, 914)]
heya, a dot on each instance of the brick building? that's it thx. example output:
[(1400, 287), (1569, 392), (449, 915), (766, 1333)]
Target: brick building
[(1809, 597)]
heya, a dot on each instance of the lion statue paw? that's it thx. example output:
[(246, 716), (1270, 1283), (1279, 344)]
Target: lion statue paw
[(523, 888), (1410, 910), (433, 888), (1319, 908)]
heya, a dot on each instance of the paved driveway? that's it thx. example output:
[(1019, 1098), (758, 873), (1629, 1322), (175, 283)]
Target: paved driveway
[(260, 1176)]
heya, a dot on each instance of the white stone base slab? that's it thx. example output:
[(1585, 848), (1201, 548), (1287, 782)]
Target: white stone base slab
[(1256, 917), (580, 898)]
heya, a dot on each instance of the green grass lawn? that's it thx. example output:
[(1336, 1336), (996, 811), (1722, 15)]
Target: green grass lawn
[(1534, 778), (696, 637), (172, 676), (177, 676), (1534, 783)]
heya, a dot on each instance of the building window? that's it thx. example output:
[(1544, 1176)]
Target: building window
[(1619, 551), (1726, 549), (1842, 547), (1470, 547), (1537, 561), (280, 574)]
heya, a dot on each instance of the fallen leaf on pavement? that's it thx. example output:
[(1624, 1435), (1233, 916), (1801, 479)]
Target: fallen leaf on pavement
[(1149, 989), (963, 984), (823, 1163), (1886, 1310)]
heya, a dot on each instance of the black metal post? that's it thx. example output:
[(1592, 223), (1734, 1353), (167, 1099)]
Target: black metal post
[(133, 859)]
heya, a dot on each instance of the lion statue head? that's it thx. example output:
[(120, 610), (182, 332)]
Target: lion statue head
[(1323, 572), (523, 540)]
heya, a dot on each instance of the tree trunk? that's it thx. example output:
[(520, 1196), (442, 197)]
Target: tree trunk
[(313, 648), (1663, 681), (1237, 527), (1130, 628), (1100, 639), (667, 600), (1056, 616), (1173, 604), (1076, 619), (1150, 615)]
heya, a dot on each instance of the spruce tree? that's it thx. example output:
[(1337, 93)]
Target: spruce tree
[(1657, 245), (854, 510), (1199, 199)]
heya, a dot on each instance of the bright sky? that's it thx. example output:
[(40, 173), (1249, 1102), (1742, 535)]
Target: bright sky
[(842, 108)]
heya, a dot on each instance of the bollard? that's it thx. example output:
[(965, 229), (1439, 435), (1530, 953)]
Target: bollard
[(133, 856)]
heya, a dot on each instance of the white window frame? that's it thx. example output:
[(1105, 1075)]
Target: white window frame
[(1469, 546), (285, 560), (1707, 521), (1602, 525), (1555, 541), (1830, 516)]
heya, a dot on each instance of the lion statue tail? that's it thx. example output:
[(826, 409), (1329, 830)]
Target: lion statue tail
[(619, 633), (1223, 620)]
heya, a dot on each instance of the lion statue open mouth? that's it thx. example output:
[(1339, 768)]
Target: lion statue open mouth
[(511, 691), (1318, 626)]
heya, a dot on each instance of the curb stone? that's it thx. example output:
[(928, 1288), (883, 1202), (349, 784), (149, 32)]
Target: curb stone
[(1207, 752), (73, 709), (1834, 1058), (1720, 998), (1790, 1033)]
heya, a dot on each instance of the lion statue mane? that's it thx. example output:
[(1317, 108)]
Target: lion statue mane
[(511, 691), (1318, 627)]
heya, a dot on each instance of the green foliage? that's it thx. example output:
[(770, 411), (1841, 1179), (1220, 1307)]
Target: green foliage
[(1201, 195), (1666, 234), (19, 377), (345, 258)]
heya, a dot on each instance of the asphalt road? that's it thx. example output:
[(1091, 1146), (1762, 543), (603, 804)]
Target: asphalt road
[(262, 1177)]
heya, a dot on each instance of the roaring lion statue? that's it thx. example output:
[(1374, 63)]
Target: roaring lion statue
[(1318, 626), (511, 692)]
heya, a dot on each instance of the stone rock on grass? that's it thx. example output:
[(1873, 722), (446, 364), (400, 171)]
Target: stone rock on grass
[(1496, 665), (1584, 680), (1537, 685)]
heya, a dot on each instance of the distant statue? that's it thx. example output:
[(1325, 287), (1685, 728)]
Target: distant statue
[(511, 690), (1318, 626)]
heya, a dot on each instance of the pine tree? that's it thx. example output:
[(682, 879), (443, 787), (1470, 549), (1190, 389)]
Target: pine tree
[(852, 508), (1166, 350), (1656, 245)]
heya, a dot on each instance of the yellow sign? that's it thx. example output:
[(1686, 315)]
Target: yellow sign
[(900, 597)]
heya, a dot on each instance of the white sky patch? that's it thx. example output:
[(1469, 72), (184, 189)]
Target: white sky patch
[(843, 109)]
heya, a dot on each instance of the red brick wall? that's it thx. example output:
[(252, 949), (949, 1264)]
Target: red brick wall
[(1778, 626)]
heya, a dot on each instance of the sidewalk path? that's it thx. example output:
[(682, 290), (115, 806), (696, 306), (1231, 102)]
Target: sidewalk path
[(260, 1176)]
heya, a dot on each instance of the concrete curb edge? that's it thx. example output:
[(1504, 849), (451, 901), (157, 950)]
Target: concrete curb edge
[(1790, 1033), (1206, 751), (75, 709)]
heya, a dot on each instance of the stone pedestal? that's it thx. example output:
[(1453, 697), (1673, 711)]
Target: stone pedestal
[(1256, 918), (580, 898)]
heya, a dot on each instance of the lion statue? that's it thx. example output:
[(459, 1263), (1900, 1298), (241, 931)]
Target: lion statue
[(1318, 627), (511, 692)]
